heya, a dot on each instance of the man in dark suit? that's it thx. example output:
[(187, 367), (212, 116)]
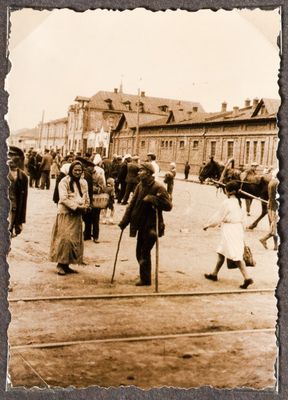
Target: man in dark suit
[(150, 197), (18, 190)]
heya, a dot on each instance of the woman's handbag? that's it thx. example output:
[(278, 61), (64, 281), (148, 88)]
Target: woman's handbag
[(248, 257), (100, 200)]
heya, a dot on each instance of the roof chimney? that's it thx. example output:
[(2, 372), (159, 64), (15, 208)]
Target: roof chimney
[(195, 109), (224, 107), (247, 103), (115, 90), (255, 102), (235, 111)]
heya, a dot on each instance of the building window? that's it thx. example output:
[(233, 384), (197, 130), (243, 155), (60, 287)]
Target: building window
[(230, 148), (255, 150), (181, 144), (262, 148), (213, 149), (247, 153), (195, 144), (142, 144), (162, 143), (166, 143), (170, 144)]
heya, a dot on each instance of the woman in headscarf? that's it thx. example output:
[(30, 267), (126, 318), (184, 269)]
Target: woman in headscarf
[(231, 246), (67, 235)]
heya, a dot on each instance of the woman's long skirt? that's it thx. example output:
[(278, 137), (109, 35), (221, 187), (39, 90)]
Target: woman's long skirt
[(67, 239)]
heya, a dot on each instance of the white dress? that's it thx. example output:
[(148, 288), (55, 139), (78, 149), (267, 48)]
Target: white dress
[(231, 218)]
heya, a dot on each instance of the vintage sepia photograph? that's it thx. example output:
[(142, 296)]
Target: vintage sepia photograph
[(144, 198)]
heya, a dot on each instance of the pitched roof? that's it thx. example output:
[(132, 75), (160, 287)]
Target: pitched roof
[(271, 106), (131, 119), (154, 105)]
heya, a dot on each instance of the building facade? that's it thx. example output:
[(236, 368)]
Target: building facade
[(247, 134), (91, 120)]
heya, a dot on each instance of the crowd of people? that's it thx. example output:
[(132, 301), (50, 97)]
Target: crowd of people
[(86, 189)]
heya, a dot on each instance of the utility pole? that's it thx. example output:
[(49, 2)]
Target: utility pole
[(137, 126), (41, 130)]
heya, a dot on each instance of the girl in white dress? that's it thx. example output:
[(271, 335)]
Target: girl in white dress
[(231, 245)]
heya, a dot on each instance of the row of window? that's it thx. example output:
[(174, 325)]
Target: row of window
[(251, 148)]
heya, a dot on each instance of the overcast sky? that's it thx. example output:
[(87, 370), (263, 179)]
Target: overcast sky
[(203, 56)]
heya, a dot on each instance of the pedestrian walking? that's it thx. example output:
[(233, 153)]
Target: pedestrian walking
[(67, 236), (272, 212), (18, 190), (231, 246), (150, 197), (45, 168), (186, 169)]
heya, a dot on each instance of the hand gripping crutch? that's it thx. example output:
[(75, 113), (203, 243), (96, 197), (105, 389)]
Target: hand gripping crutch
[(157, 251), (118, 247)]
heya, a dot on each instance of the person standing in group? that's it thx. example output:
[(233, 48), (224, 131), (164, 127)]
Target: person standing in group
[(18, 190), (272, 212), (122, 177), (231, 245), (32, 170), (115, 168), (132, 178), (169, 178), (151, 157), (150, 197), (93, 229), (67, 236), (45, 168), (186, 169), (88, 167), (110, 190)]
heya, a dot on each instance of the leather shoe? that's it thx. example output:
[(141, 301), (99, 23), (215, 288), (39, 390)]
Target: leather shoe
[(61, 271), (246, 283), (69, 270), (211, 277)]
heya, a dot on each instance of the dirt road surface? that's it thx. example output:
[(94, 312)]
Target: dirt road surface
[(232, 340)]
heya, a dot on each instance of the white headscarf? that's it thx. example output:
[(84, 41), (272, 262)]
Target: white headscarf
[(65, 168)]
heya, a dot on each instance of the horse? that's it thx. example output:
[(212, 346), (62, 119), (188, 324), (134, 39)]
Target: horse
[(212, 170), (256, 186)]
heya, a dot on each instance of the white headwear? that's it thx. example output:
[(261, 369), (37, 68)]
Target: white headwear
[(97, 159), (65, 168)]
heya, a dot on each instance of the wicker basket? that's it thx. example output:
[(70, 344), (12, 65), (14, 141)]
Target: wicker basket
[(100, 200)]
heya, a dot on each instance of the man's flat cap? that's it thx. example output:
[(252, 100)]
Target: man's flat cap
[(16, 151), (148, 166)]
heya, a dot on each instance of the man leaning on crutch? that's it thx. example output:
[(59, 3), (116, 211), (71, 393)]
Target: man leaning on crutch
[(144, 210)]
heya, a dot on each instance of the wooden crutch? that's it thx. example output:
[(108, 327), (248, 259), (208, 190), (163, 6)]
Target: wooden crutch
[(157, 252), (117, 251)]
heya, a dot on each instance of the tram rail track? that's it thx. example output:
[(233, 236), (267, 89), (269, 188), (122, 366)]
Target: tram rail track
[(139, 295), (140, 338)]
